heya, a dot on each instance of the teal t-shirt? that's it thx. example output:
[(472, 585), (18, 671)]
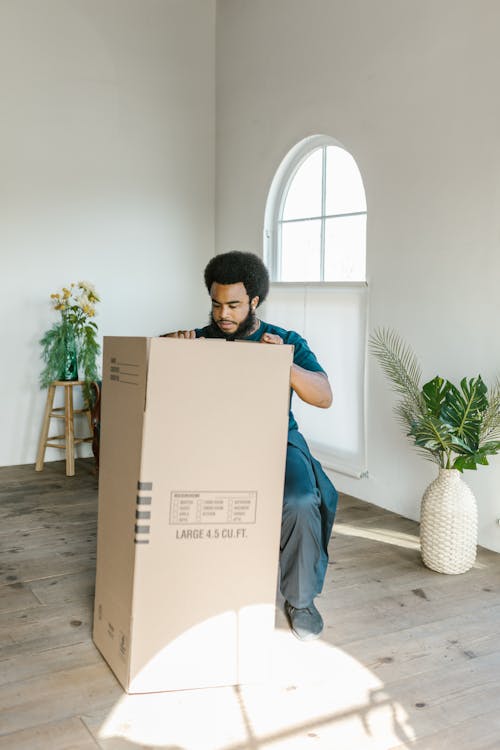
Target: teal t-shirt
[(302, 355)]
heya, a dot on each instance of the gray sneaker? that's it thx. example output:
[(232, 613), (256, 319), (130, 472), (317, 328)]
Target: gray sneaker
[(306, 623)]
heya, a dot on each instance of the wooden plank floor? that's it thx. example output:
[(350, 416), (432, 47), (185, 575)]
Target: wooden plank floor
[(409, 658)]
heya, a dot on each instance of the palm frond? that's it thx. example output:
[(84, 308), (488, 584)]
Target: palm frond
[(437, 457), (407, 413), (490, 427), (401, 366)]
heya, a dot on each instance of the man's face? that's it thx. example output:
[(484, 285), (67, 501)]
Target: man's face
[(232, 308)]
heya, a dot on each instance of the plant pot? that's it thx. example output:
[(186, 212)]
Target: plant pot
[(448, 524), (69, 363)]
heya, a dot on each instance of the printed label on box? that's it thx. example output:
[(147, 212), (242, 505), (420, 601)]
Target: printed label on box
[(213, 507), (124, 372)]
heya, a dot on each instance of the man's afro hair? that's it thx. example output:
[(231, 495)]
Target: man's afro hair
[(235, 267)]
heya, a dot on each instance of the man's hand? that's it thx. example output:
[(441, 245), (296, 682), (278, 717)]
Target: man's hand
[(179, 335), (271, 338)]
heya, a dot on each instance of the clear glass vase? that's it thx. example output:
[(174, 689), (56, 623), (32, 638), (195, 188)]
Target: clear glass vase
[(69, 363)]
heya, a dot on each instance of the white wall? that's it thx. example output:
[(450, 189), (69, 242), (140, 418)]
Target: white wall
[(106, 174), (409, 88)]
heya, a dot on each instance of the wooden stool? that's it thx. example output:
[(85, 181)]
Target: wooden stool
[(66, 412)]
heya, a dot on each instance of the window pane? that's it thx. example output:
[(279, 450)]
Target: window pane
[(344, 187), (333, 320), (304, 193), (345, 242), (300, 251)]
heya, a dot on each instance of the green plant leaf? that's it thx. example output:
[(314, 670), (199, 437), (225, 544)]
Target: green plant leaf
[(490, 448), (434, 393), (432, 434), (53, 344), (471, 460), (459, 446), (463, 410), (88, 353), (465, 462)]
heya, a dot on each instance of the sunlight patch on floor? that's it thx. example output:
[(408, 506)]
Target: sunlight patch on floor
[(386, 536), (317, 696)]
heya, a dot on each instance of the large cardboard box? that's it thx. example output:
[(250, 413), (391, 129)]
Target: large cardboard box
[(193, 446)]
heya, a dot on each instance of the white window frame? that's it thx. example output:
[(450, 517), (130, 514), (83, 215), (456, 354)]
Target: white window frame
[(276, 202), (353, 464)]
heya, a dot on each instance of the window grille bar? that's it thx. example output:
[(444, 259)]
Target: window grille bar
[(323, 209), (327, 216), (320, 284)]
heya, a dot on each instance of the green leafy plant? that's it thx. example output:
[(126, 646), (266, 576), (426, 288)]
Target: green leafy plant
[(75, 334), (456, 427)]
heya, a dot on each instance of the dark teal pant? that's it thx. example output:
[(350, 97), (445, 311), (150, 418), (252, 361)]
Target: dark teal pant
[(309, 505)]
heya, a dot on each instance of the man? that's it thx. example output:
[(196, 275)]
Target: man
[(238, 283)]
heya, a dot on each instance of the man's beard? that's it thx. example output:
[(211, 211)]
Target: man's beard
[(243, 330)]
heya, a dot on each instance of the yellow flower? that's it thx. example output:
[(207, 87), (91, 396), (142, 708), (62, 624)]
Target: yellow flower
[(77, 298)]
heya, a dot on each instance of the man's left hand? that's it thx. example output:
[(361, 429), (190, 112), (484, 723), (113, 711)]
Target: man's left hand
[(271, 338)]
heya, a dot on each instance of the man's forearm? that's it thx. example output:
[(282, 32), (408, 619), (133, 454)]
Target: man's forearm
[(312, 387)]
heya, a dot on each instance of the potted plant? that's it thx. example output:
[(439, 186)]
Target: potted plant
[(70, 347), (456, 427)]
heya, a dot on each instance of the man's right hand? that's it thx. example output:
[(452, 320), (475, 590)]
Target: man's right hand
[(179, 335)]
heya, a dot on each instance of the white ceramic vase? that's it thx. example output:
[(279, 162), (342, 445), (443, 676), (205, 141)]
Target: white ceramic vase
[(448, 524)]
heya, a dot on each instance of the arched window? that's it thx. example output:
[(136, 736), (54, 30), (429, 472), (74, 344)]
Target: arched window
[(315, 249), (316, 217)]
